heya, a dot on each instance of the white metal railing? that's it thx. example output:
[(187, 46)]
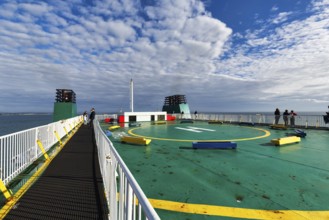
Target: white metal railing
[(19, 150), (315, 121), (125, 198)]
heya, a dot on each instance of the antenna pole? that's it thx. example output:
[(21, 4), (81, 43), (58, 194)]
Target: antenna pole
[(131, 95)]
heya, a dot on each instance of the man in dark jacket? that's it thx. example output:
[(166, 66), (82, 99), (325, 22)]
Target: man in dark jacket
[(91, 117), (277, 116)]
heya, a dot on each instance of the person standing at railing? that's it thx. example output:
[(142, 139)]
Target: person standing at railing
[(85, 118), (326, 117), (285, 117), (292, 118), (277, 116), (91, 117), (196, 114)]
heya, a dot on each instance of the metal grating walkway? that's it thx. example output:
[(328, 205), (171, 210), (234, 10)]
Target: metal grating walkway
[(70, 188)]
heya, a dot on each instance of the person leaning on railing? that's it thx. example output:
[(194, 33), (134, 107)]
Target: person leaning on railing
[(285, 117), (277, 116), (326, 117), (292, 118)]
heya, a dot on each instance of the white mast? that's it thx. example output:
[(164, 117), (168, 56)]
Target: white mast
[(131, 95)]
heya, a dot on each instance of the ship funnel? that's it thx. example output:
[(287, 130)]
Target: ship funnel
[(65, 104)]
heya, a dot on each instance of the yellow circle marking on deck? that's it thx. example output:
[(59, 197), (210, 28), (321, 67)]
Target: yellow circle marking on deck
[(267, 133), (235, 212)]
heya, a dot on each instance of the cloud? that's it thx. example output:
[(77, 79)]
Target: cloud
[(167, 47), (34, 9), (289, 64), (281, 17), (274, 8)]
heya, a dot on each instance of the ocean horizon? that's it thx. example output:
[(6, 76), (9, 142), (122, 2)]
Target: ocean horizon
[(15, 122), (205, 112), (266, 112)]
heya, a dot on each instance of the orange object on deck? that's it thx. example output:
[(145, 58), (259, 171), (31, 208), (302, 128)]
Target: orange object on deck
[(171, 118), (121, 119), (108, 120)]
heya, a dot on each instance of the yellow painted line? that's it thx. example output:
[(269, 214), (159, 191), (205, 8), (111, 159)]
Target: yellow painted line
[(11, 203), (267, 133), (5, 191), (213, 210)]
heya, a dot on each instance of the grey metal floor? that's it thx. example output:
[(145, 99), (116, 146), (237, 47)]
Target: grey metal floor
[(70, 188)]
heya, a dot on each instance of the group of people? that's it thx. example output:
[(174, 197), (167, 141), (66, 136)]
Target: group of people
[(286, 116), (89, 120)]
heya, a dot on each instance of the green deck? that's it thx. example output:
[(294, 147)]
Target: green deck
[(257, 175)]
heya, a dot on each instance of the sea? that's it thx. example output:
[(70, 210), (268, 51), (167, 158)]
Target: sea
[(14, 122)]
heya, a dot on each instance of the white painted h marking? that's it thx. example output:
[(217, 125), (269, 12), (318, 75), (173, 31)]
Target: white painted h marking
[(194, 129), (202, 129)]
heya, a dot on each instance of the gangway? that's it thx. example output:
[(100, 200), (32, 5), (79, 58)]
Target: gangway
[(70, 188), (86, 180)]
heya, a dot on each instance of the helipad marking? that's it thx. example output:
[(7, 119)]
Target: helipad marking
[(236, 212), (213, 210), (187, 129), (202, 129), (267, 133)]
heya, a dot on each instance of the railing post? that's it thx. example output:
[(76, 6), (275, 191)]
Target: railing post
[(67, 134), (34, 141), (6, 192), (43, 150), (129, 202), (59, 140)]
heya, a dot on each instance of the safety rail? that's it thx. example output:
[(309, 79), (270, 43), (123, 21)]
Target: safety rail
[(125, 198), (304, 121), (19, 150)]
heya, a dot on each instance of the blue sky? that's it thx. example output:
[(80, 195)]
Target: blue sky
[(224, 55)]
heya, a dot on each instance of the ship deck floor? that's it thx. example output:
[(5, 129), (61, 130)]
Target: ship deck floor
[(70, 188), (255, 181)]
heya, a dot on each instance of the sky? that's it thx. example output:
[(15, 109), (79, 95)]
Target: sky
[(224, 55)]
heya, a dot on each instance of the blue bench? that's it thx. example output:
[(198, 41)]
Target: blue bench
[(186, 121), (247, 123), (300, 133), (108, 133), (214, 145)]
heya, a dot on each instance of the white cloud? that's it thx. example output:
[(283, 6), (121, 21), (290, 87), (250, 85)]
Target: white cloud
[(290, 63), (35, 9), (168, 47), (274, 8), (8, 10), (10, 27), (321, 5), (282, 17)]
